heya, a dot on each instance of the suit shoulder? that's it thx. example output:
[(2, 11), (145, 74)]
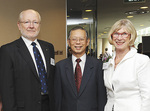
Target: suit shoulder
[(9, 49), (63, 62), (10, 45), (94, 60), (141, 58), (45, 42)]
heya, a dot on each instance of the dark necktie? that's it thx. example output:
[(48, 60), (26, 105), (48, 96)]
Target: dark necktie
[(41, 68), (78, 75)]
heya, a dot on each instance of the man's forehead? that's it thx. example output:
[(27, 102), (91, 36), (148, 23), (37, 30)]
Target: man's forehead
[(30, 15)]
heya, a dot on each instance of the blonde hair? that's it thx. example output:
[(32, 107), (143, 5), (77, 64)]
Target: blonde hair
[(128, 26)]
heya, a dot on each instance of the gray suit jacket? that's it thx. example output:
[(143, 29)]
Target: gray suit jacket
[(92, 94)]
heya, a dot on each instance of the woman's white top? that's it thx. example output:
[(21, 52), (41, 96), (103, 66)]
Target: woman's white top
[(128, 85)]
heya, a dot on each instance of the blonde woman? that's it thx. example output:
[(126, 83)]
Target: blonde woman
[(127, 74)]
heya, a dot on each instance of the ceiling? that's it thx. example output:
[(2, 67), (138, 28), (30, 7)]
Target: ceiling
[(108, 12)]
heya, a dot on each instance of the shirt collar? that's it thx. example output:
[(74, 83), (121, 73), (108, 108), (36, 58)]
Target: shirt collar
[(130, 54), (28, 42), (83, 58)]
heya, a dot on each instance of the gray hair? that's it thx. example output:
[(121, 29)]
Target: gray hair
[(21, 14)]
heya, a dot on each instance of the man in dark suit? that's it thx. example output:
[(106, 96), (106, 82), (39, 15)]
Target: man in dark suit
[(78, 82), (27, 76)]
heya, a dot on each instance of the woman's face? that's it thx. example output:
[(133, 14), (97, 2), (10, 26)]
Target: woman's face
[(121, 39)]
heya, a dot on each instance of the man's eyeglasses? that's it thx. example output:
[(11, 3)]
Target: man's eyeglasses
[(76, 39), (116, 34), (29, 23)]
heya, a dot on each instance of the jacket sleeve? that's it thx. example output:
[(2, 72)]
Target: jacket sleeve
[(144, 84), (57, 88), (102, 97), (7, 80)]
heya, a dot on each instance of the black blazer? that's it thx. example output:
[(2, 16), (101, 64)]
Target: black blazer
[(20, 85), (92, 94)]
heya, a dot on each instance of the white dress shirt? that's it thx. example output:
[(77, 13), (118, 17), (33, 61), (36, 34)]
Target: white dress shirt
[(82, 63), (30, 48)]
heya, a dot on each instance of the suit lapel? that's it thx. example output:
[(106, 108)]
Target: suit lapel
[(23, 50), (70, 75), (86, 74)]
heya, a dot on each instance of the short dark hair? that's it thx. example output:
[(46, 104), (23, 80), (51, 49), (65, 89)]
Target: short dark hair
[(106, 49), (76, 28)]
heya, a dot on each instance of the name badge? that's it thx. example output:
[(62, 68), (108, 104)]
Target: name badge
[(52, 62)]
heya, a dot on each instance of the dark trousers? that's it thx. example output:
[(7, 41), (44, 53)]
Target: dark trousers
[(45, 103)]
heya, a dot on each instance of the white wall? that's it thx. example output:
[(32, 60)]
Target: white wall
[(99, 47), (106, 44)]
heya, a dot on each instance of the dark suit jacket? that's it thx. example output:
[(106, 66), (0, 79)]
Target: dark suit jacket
[(92, 94), (20, 84)]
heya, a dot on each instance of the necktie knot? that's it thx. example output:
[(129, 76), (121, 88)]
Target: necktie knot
[(33, 44), (78, 60)]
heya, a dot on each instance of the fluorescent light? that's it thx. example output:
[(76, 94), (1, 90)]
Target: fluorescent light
[(88, 10), (144, 7), (129, 16), (86, 18), (78, 21)]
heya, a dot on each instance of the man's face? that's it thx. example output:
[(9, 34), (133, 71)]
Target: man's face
[(78, 42), (29, 25)]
